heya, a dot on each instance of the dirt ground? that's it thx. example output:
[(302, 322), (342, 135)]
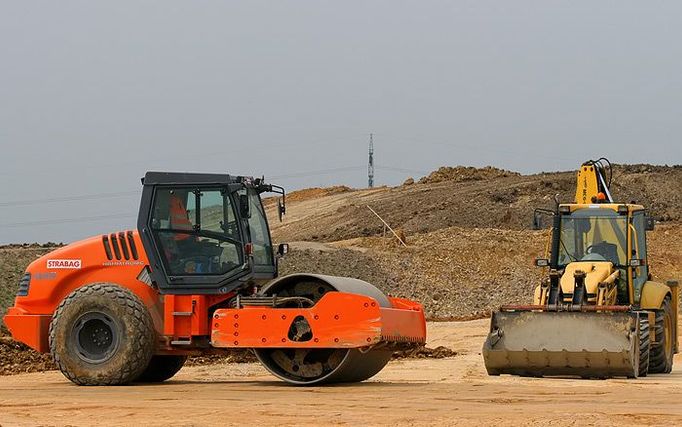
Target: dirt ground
[(451, 391)]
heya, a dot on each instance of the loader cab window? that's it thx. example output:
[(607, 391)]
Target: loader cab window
[(593, 235), (196, 231)]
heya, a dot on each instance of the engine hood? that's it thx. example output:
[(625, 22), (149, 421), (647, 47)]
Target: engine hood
[(595, 272)]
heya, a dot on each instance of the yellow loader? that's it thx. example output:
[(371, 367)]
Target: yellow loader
[(597, 313)]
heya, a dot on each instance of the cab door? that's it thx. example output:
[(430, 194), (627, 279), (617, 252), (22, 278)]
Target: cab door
[(638, 251), (197, 239)]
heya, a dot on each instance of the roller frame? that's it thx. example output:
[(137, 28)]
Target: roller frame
[(338, 320)]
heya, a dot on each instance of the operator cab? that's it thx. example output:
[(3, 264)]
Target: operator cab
[(606, 233), (206, 233)]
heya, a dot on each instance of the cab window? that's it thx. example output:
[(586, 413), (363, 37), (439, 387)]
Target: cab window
[(593, 235), (195, 231), (258, 232)]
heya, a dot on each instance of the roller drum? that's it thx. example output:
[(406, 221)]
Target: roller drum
[(323, 366)]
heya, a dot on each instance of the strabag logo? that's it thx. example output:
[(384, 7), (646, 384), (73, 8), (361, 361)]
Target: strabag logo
[(64, 263)]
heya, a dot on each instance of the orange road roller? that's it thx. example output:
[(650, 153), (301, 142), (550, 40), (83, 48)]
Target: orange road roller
[(199, 275)]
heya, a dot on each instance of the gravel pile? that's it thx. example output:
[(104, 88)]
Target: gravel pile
[(465, 173), (504, 201), (16, 358)]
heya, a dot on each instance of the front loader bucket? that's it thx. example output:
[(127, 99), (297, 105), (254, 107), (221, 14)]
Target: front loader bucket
[(583, 344)]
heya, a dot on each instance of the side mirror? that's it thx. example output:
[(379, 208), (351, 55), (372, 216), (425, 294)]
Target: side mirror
[(541, 262), (282, 249), (649, 223), (538, 214), (636, 262), (244, 210), (537, 221), (281, 209)]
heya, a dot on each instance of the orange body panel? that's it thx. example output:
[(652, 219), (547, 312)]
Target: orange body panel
[(31, 329), (403, 322), (338, 320), (187, 315), (58, 273)]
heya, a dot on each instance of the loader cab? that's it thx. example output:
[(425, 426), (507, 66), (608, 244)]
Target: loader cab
[(606, 232), (205, 233)]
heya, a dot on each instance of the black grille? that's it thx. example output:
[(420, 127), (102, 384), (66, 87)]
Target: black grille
[(120, 245), (107, 248), (131, 243), (114, 244), (124, 246), (24, 284)]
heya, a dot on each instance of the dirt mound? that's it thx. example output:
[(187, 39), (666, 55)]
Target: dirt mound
[(16, 358), (230, 356), (439, 352), (465, 173), (315, 192), (458, 273), (503, 201)]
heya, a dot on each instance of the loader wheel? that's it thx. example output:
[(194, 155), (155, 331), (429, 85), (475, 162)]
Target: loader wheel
[(661, 359), (329, 365), (644, 347), (162, 368), (101, 334)]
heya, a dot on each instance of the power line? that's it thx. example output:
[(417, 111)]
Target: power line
[(317, 172), (403, 170), (67, 220), (99, 196)]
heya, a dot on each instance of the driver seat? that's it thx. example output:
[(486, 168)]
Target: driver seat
[(178, 217)]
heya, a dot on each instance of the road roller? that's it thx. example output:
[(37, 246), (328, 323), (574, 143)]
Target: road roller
[(199, 275)]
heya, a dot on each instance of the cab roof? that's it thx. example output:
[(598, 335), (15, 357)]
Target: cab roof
[(612, 206), (188, 178)]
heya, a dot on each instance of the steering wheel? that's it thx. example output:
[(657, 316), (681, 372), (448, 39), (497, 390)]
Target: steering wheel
[(592, 256)]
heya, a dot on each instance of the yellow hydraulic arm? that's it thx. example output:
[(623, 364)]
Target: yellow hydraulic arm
[(592, 185)]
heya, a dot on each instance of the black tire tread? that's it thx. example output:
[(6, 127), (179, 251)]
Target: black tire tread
[(162, 368), (658, 362), (644, 347)]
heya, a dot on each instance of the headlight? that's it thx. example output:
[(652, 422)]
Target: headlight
[(24, 284)]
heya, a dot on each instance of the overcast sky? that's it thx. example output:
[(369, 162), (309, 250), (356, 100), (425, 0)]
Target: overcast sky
[(93, 94)]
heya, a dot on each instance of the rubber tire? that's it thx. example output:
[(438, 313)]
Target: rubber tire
[(660, 361), (644, 347), (162, 368), (135, 346)]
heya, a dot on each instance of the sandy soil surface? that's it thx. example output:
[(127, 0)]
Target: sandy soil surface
[(452, 391)]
